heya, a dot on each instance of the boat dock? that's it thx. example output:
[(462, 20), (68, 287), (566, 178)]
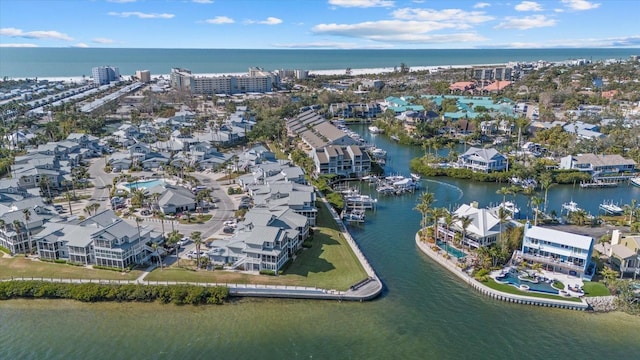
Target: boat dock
[(598, 184)]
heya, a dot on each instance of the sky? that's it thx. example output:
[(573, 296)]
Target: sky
[(319, 24)]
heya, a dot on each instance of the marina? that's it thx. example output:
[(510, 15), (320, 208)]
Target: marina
[(598, 184)]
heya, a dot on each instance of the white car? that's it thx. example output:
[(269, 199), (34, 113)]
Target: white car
[(230, 223), (184, 241)]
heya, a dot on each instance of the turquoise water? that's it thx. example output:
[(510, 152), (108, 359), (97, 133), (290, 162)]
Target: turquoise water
[(450, 249), (60, 62), (512, 278), (148, 184)]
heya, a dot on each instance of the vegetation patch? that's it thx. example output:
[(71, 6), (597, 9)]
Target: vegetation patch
[(592, 288), (178, 294)]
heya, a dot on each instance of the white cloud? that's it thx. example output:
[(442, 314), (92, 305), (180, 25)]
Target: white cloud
[(121, 1), (580, 5), (558, 10), (481, 5), (18, 45), (38, 34), (623, 42), (362, 3), (102, 40), (397, 31), (527, 22), (269, 21), (202, 1), (141, 15), (81, 45), (456, 16), (220, 20), (528, 6)]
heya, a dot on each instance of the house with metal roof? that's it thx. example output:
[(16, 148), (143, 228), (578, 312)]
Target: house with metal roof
[(481, 159), (558, 251)]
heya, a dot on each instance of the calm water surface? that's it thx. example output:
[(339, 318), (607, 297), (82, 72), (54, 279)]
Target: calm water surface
[(424, 313)]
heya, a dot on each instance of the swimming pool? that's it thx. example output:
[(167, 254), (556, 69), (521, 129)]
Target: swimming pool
[(511, 277), (450, 249), (147, 184)]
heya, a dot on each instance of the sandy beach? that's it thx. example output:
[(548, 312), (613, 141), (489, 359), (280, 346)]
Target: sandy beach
[(354, 72)]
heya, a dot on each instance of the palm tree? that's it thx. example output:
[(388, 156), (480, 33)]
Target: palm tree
[(162, 217), (17, 227), (27, 216), (425, 200), (503, 216), (631, 209), (536, 201), (504, 191), (154, 246), (196, 236), (437, 213), (45, 184), (546, 181), (449, 219), (138, 221), (465, 221)]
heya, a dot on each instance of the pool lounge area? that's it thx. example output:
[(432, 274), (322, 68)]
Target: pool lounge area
[(517, 279), (457, 253), (144, 184)]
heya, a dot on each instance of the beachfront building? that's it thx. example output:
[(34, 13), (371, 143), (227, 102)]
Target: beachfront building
[(103, 75), (558, 251), (257, 80), (143, 76), (483, 230), (485, 160)]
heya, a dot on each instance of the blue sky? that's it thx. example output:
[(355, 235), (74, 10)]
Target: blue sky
[(319, 24)]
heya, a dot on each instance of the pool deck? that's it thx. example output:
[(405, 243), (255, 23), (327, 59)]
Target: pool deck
[(567, 280), (467, 278)]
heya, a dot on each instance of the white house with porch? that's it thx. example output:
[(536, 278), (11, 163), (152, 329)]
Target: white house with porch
[(558, 251), (485, 160), (483, 230)]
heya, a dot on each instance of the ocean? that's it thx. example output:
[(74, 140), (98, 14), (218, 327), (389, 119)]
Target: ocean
[(75, 62)]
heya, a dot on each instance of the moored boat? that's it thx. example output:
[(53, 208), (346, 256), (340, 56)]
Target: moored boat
[(635, 181), (610, 208), (375, 130)]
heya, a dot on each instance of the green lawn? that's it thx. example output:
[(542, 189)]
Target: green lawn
[(506, 288), (198, 219), (328, 264), (24, 267), (592, 288), (276, 150)]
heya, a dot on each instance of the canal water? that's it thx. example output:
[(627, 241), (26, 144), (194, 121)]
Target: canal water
[(424, 313)]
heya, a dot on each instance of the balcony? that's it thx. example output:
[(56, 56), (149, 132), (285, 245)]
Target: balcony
[(553, 262)]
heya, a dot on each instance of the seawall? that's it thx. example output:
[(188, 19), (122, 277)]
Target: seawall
[(514, 298)]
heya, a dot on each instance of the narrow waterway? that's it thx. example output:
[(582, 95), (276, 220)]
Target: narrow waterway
[(424, 312)]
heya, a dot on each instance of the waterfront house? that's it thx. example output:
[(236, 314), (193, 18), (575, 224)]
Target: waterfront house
[(484, 229), (103, 239), (624, 252), (485, 160), (558, 251), (598, 165)]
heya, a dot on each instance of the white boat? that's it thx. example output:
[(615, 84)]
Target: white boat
[(379, 153), (611, 208), (571, 206), (635, 181), (415, 177), (395, 138), (354, 216), (511, 208), (375, 130)]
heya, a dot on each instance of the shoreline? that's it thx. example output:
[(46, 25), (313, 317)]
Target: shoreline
[(498, 295), (331, 72)]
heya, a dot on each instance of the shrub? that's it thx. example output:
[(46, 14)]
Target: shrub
[(307, 243), (93, 292), (267, 272), (5, 250)]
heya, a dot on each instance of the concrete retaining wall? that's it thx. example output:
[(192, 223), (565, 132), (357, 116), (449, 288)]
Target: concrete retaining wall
[(519, 299)]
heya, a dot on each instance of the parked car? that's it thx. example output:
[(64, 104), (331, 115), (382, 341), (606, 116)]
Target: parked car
[(184, 241)]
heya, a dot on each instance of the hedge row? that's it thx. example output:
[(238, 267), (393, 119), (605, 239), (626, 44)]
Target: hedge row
[(176, 294)]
